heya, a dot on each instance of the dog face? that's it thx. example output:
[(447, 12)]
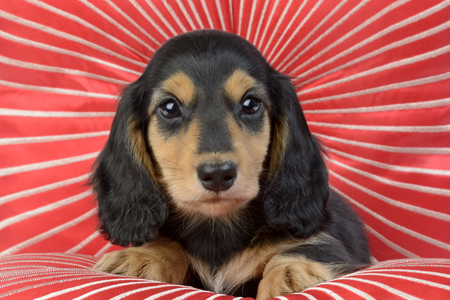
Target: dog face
[(210, 137), (206, 129)]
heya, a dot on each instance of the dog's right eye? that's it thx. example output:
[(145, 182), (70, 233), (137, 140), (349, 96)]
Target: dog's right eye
[(170, 109)]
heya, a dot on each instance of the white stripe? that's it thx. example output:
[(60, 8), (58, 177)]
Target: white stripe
[(413, 279), (82, 286), (352, 289), (80, 258), (47, 164), (310, 297), (188, 295), (396, 292), (308, 16), (403, 42), (120, 27), (389, 107), (103, 250), (60, 262), (390, 244), (269, 21), (393, 65), (47, 234), (86, 24), (197, 17), (81, 245), (215, 296), (391, 224), (50, 257), (44, 68), (175, 15), (230, 4), (407, 186), (208, 16), (51, 138), (389, 167), (437, 274), (156, 296), (327, 32), (406, 206), (351, 33), (35, 44), (409, 129), (335, 9), (275, 31), (161, 17), (241, 16), (52, 90), (262, 17), (41, 189), (186, 14), (252, 17), (54, 114), (221, 18), (384, 88), (411, 150), (67, 36), (108, 287), (136, 25), (411, 262), (149, 19), (329, 292), (380, 34), (126, 294), (43, 209), (289, 25)]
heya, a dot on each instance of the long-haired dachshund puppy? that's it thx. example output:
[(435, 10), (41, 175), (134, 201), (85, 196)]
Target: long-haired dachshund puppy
[(212, 175)]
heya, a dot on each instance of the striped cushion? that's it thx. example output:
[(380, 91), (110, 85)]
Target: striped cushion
[(63, 276), (373, 78)]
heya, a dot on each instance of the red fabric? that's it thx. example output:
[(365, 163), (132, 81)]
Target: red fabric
[(373, 78), (63, 276)]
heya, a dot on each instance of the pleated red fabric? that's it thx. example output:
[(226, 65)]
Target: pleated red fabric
[(373, 78)]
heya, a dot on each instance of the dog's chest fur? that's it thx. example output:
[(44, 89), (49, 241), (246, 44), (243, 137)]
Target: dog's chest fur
[(221, 252), (226, 255), (244, 267)]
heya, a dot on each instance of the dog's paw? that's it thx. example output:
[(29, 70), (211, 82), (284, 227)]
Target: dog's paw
[(169, 266), (283, 276)]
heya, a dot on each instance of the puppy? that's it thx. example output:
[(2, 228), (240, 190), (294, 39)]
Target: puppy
[(212, 175)]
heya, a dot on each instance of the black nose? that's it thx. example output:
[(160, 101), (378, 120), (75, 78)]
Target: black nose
[(217, 177)]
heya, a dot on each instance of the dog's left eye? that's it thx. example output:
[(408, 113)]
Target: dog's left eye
[(251, 105), (170, 109)]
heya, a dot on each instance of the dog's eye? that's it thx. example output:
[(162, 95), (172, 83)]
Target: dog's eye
[(251, 105), (170, 109)]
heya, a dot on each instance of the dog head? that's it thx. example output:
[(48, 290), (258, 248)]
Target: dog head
[(208, 128)]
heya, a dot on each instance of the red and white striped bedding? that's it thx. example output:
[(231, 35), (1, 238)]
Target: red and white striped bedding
[(69, 276), (373, 78)]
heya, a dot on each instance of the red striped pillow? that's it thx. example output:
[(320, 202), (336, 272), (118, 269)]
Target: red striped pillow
[(58, 275)]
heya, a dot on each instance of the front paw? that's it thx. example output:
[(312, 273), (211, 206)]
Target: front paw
[(291, 276), (146, 262)]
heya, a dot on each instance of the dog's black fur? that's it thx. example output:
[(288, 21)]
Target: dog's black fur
[(294, 201)]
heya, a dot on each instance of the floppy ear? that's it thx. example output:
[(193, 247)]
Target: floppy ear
[(297, 193), (131, 205)]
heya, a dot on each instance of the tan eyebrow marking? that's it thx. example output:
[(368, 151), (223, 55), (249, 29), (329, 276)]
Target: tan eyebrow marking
[(238, 84), (181, 86)]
